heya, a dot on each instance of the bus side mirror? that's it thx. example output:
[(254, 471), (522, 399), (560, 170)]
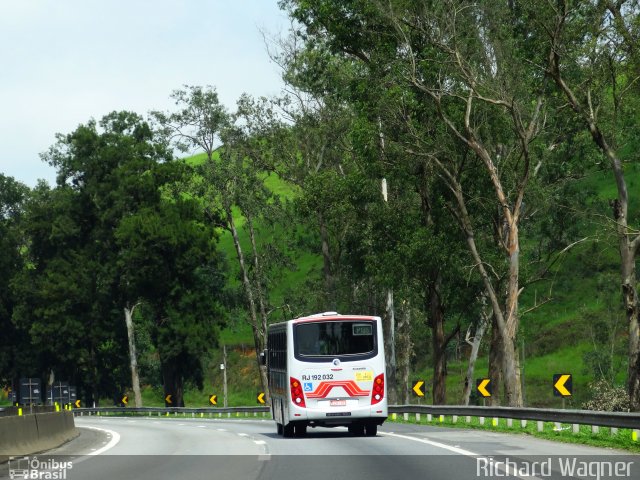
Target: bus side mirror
[(263, 357)]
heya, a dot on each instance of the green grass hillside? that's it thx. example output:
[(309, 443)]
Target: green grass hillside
[(579, 328)]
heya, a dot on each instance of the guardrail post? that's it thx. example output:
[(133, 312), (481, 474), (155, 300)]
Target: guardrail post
[(454, 418), (540, 426), (467, 419), (429, 417), (481, 419), (557, 426), (575, 428), (417, 418), (509, 422), (595, 429), (614, 430), (495, 422), (634, 435), (405, 416), (523, 424)]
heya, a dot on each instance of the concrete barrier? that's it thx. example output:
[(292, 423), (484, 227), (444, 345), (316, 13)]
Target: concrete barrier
[(27, 434)]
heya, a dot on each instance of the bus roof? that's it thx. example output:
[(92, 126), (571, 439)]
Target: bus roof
[(333, 316), (326, 316)]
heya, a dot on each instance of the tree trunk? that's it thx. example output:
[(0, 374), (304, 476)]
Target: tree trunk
[(406, 348), (495, 365), (133, 357), (436, 322), (511, 372), (511, 361), (439, 342), (390, 347), (502, 348), (259, 287), (327, 268), (172, 383), (473, 356), (630, 295), (258, 336)]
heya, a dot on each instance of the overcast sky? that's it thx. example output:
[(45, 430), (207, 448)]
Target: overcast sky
[(63, 62)]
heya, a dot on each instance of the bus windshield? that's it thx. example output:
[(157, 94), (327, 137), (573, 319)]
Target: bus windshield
[(335, 339)]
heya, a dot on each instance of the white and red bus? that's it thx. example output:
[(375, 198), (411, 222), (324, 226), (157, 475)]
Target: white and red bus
[(327, 370)]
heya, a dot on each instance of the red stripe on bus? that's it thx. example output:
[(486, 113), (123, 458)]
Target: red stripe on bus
[(349, 386)]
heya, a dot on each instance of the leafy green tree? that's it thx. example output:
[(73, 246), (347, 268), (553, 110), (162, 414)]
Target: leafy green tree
[(13, 196), (61, 303), (231, 182), (168, 256), (114, 193)]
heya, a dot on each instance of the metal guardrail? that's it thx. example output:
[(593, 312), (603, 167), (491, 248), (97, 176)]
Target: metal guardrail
[(583, 417), (170, 410)]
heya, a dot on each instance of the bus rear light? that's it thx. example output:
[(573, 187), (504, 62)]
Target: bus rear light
[(378, 389), (296, 392)]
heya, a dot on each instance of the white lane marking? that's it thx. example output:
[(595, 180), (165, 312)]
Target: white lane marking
[(115, 438), (259, 442), (243, 435), (458, 450), (201, 426), (221, 429)]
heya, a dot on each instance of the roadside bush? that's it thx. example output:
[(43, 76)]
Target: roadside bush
[(607, 397)]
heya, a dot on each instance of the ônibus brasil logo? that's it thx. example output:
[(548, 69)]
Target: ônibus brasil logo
[(33, 468)]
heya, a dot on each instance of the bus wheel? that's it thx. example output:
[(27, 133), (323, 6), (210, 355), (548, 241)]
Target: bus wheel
[(356, 429), (287, 430), (301, 429), (371, 429), (279, 428)]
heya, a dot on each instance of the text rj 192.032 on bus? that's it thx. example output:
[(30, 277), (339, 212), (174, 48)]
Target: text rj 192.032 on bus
[(327, 370)]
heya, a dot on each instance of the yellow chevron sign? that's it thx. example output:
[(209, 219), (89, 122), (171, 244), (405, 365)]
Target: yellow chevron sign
[(483, 385), (168, 400), (260, 398), (213, 399), (77, 403), (417, 388), (562, 385), (125, 400)]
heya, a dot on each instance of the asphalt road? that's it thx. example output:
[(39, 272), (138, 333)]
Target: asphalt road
[(145, 448)]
